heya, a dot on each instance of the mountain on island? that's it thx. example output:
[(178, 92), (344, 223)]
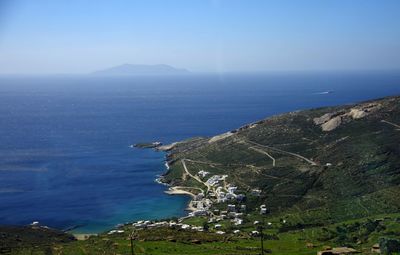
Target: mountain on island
[(129, 69)]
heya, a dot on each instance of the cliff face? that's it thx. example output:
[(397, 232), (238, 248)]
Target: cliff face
[(334, 163)]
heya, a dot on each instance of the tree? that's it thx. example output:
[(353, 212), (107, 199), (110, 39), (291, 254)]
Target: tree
[(388, 245), (206, 227)]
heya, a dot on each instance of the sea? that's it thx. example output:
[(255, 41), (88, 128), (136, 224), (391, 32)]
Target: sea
[(65, 155)]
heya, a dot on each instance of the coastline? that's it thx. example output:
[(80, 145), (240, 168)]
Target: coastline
[(172, 190), (176, 190)]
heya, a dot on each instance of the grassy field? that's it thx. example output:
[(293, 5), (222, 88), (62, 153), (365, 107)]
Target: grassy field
[(360, 234)]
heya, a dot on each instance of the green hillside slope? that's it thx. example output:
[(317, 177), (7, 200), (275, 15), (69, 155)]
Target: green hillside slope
[(326, 165)]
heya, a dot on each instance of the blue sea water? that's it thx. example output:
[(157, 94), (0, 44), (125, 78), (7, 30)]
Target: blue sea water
[(64, 140)]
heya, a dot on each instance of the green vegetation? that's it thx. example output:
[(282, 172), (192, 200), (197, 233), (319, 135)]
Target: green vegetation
[(324, 182), (31, 240), (356, 172), (361, 234)]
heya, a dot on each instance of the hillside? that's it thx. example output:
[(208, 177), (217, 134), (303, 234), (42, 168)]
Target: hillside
[(321, 166), (29, 239)]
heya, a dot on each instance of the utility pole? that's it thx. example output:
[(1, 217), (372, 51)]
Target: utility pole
[(131, 237), (262, 238), (263, 212)]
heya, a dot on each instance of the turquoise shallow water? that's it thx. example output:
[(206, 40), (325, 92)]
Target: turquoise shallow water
[(64, 141)]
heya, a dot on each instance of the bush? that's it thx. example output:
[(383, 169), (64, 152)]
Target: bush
[(388, 245)]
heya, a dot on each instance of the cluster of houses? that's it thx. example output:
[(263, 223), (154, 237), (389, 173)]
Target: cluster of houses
[(150, 224), (202, 173), (215, 179), (202, 205), (172, 224), (221, 194), (234, 212), (219, 226)]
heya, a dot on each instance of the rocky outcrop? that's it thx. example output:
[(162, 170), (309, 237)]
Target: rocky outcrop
[(220, 137), (338, 251), (331, 121), (324, 118), (167, 147), (357, 113)]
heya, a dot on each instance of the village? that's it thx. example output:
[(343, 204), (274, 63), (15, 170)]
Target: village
[(219, 192)]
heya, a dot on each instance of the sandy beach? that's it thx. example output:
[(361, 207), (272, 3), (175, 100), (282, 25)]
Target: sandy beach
[(180, 191), (83, 236)]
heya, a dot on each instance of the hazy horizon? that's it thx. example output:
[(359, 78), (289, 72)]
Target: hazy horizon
[(203, 73), (80, 37)]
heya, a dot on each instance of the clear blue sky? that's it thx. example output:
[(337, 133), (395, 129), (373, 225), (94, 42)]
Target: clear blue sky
[(79, 36)]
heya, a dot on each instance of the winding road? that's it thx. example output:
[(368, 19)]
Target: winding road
[(282, 151), (265, 153), (194, 176)]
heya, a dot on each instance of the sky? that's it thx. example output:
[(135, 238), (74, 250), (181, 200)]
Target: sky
[(81, 36)]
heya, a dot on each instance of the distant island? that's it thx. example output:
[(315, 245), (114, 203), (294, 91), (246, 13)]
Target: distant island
[(129, 69)]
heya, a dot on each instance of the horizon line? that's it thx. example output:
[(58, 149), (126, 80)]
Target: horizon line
[(190, 72)]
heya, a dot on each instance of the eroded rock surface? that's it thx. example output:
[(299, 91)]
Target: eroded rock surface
[(332, 123), (332, 120)]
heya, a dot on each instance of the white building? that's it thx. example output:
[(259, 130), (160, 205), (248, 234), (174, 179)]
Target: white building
[(202, 173), (256, 192), (237, 221), (200, 213), (185, 226), (231, 208), (232, 189)]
